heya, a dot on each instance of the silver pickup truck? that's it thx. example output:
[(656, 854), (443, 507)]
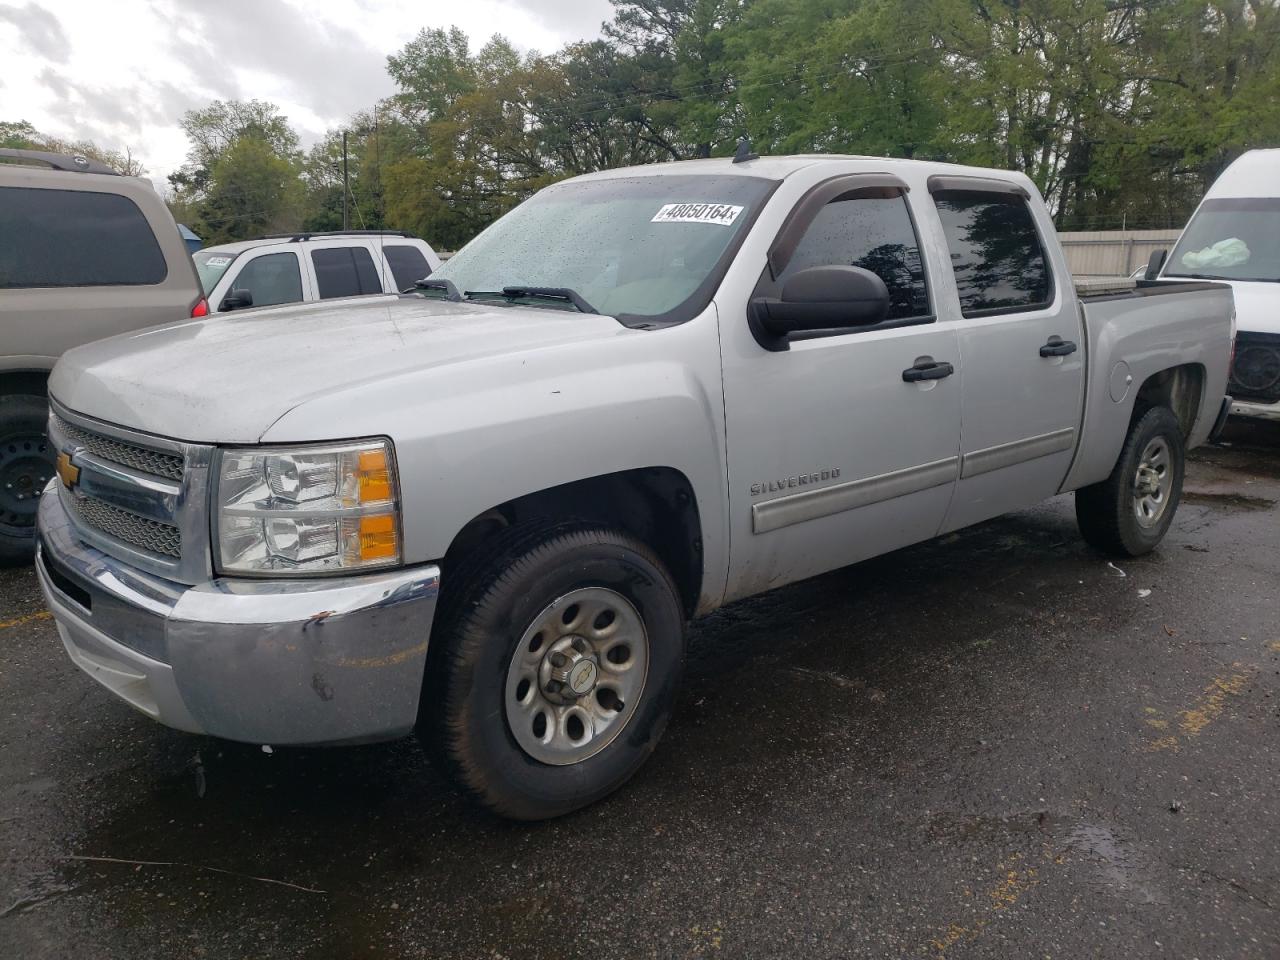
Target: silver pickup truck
[(486, 510)]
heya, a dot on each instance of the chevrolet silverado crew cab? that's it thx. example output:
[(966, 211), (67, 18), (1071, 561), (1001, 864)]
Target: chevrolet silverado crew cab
[(485, 511)]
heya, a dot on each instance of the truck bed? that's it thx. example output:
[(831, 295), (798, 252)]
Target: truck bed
[(1133, 330)]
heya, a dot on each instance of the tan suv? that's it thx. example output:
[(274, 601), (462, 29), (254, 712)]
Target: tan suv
[(84, 254)]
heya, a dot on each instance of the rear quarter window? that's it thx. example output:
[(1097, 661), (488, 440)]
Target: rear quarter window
[(407, 264), (75, 238)]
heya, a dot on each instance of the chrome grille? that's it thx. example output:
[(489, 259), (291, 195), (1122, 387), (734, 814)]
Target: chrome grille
[(154, 462), (140, 532)]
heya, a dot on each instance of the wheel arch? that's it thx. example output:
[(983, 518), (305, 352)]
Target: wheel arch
[(656, 505), (32, 382), (1180, 388)]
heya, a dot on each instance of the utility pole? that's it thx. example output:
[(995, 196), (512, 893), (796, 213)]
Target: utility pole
[(346, 187)]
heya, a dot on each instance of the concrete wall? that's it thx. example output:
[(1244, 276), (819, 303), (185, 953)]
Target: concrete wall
[(1113, 252)]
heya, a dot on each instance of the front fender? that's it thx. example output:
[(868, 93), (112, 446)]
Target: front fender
[(473, 435)]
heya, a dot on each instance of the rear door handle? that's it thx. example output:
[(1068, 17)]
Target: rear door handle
[(1057, 347), (927, 370)]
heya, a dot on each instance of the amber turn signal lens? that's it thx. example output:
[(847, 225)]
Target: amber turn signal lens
[(378, 539), (375, 478)]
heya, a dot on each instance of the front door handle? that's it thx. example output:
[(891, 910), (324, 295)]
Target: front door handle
[(1057, 347), (927, 370)]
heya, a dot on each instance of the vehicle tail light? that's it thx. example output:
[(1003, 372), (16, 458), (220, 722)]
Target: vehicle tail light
[(201, 309)]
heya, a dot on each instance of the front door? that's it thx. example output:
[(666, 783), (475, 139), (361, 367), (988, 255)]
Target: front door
[(1021, 340), (834, 454)]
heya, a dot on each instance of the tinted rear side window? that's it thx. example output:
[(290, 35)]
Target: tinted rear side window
[(407, 264), (75, 238), (876, 234), (345, 272), (999, 264)]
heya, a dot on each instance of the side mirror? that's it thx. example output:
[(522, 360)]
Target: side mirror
[(819, 298), (237, 300), (1155, 264)]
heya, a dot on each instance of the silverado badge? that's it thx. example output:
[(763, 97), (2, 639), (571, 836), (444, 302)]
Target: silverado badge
[(68, 472)]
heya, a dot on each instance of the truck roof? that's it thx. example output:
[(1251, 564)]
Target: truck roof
[(1255, 173), (779, 168)]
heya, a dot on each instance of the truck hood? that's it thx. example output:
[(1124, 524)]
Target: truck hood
[(1257, 306), (227, 378)]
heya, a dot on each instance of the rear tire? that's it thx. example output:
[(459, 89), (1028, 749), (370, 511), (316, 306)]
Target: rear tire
[(1129, 513), (26, 464), (580, 626)]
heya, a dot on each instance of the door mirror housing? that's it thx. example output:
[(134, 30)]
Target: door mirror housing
[(1155, 264), (819, 298), (237, 300)]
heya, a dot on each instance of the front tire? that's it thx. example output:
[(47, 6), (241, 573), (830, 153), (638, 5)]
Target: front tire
[(554, 668), (26, 464), (1129, 513)]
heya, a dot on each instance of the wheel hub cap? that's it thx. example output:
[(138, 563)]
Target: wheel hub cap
[(569, 670), (1153, 483), (576, 676)]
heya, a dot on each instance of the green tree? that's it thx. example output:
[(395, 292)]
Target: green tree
[(21, 135)]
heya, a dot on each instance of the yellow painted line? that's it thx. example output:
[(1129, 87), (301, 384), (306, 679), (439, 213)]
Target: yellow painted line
[(1211, 704), (1274, 645), (29, 618), (1208, 707), (1017, 879)]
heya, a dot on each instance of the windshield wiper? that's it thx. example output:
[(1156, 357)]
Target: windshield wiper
[(558, 294), (451, 291)]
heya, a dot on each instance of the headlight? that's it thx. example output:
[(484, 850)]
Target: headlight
[(308, 510)]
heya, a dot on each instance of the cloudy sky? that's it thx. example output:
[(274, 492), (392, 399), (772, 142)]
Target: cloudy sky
[(122, 72)]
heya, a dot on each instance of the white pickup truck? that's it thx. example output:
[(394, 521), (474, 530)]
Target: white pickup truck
[(485, 511)]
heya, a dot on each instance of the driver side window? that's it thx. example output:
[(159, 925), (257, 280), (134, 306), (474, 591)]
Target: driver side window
[(271, 279), (876, 234)]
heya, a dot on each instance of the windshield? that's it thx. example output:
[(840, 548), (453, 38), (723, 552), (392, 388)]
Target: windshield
[(639, 246), (211, 265), (1230, 239)]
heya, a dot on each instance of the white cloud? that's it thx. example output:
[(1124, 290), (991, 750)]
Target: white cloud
[(123, 73)]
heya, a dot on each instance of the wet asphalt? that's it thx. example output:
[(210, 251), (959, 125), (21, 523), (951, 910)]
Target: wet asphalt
[(993, 745)]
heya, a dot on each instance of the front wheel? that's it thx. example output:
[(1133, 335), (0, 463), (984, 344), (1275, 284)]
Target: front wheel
[(1129, 513), (554, 668), (26, 464)]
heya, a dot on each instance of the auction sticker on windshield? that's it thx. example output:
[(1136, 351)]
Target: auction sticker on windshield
[(721, 214)]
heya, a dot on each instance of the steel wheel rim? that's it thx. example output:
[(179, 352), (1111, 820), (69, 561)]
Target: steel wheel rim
[(1153, 483), (25, 467), (577, 675)]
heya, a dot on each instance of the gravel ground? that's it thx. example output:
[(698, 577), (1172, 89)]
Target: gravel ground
[(993, 745)]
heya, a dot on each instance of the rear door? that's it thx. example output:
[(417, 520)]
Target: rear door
[(1020, 348)]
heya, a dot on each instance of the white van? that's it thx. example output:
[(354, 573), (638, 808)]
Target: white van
[(304, 267), (1234, 236)]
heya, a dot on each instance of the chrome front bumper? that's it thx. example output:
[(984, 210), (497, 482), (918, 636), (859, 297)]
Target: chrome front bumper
[(1260, 411), (262, 661)]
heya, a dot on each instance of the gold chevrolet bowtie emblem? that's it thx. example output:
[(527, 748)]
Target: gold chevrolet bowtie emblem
[(68, 472)]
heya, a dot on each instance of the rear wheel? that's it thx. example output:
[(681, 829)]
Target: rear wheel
[(554, 668), (1129, 513), (26, 464)]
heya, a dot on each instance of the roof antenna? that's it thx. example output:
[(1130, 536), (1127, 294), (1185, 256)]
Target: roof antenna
[(744, 151)]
